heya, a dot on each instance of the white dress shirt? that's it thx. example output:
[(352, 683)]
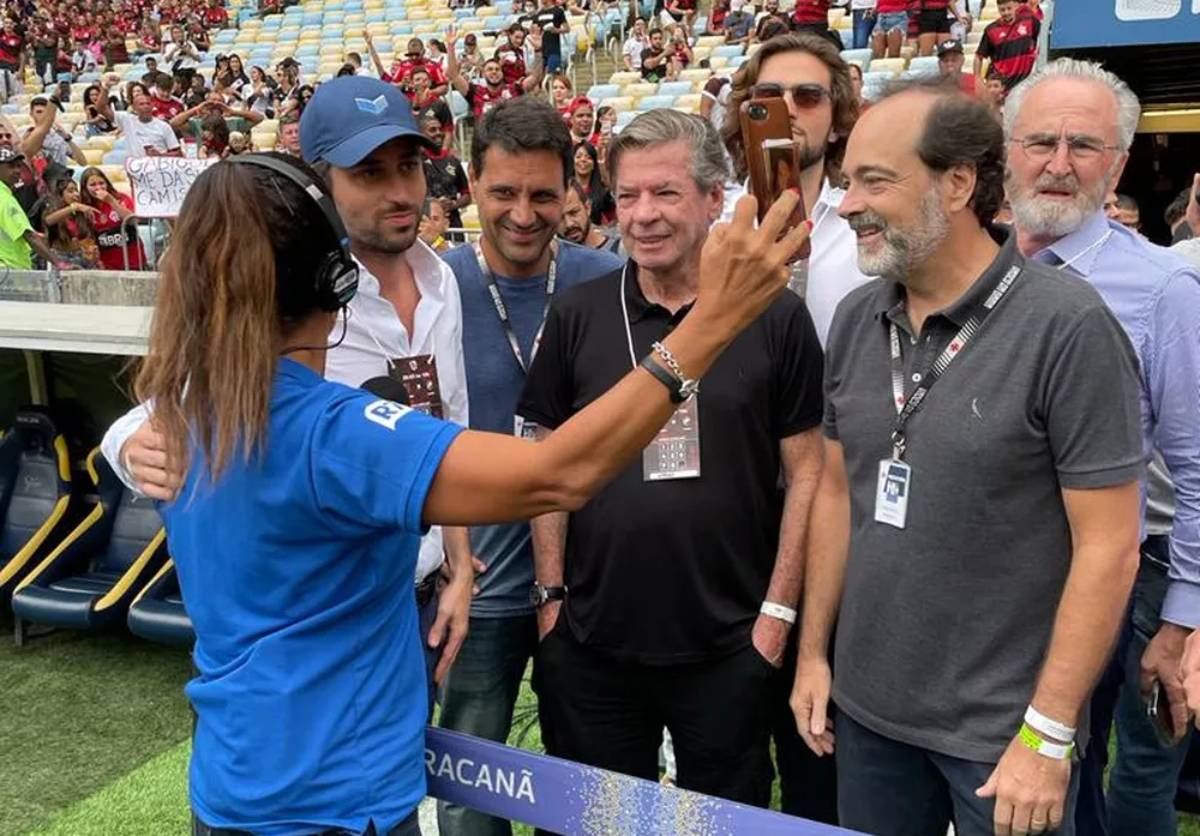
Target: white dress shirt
[(374, 337), (833, 267)]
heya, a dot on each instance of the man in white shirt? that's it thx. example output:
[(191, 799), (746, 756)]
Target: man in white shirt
[(405, 322), (815, 83), (631, 52), (145, 135)]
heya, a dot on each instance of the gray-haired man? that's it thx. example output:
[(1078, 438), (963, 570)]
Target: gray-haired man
[(669, 598)]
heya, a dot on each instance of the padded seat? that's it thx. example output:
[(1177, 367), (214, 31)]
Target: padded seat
[(91, 578), (35, 492), (157, 613)]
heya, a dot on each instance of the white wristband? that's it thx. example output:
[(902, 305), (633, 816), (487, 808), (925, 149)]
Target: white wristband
[(778, 611), (1042, 724)]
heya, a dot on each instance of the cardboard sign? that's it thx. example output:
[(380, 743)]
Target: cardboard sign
[(161, 183)]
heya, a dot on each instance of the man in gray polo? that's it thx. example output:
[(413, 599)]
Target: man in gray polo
[(979, 535)]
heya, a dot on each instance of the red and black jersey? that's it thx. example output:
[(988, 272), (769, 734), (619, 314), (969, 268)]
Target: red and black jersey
[(809, 12), (10, 50), (930, 6), (403, 69), (1012, 47), (483, 98), (216, 16)]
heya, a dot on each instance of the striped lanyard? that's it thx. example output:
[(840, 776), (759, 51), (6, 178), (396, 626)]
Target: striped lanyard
[(906, 407), (502, 309)]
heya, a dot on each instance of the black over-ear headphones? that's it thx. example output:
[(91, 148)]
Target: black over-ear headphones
[(335, 280)]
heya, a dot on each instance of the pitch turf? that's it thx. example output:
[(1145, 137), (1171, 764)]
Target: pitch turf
[(93, 738)]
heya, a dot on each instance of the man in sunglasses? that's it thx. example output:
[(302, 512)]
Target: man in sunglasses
[(1071, 125), (414, 58)]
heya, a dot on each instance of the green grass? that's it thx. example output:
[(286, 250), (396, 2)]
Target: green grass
[(94, 732)]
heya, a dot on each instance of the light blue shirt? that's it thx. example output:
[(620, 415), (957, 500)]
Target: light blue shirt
[(1156, 296)]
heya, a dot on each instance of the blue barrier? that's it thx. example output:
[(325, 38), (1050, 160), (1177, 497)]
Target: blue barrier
[(566, 797)]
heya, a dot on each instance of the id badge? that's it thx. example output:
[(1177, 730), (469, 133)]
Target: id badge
[(524, 429), (891, 497), (675, 451), (418, 376)]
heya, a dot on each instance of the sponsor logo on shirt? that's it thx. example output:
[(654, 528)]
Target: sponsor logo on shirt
[(385, 413)]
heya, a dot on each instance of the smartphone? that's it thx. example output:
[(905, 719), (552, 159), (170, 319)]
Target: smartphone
[(1158, 711), (772, 158)]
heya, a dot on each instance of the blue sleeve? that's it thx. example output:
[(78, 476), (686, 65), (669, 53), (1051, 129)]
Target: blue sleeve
[(1173, 379), (372, 462)]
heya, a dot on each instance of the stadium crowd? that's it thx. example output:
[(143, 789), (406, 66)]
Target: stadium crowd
[(1007, 583)]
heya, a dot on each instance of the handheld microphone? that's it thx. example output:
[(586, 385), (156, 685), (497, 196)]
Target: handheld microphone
[(387, 388)]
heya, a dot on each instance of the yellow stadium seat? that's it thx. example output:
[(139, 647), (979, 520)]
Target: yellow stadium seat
[(624, 77), (263, 142), (112, 171), (835, 15), (640, 89), (718, 63), (93, 155), (619, 103), (690, 102), (891, 65), (425, 27), (701, 52), (696, 76), (470, 217), (710, 41)]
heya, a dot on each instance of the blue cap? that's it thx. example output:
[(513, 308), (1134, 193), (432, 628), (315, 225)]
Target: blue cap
[(349, 117)]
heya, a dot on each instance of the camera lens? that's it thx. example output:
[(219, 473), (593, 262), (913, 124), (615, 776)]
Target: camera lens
[(757, 111)]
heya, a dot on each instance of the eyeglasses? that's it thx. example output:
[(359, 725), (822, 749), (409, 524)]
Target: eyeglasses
[(803, 96), (1044, 146)]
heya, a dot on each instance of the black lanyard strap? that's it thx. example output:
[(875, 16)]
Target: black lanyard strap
[(906, 407), (502, 310)]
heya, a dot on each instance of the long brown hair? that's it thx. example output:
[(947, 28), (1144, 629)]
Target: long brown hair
[(845, 105), (246, 236)]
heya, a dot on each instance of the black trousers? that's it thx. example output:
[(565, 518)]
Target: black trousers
[(610, 714)]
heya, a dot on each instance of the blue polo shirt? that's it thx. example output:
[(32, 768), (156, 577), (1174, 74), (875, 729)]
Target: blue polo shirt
[(296, 570), (494, 383)]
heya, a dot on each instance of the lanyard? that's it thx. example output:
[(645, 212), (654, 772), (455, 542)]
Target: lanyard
[(907, 407), (625, 315), (502, 309), (1100, 242)]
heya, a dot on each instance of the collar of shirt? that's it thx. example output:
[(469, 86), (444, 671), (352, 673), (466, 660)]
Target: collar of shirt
[(639, 307), (890, 300), (379, 315), (1081, 248)]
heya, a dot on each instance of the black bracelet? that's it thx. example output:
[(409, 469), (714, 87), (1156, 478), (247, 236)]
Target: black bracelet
[(664, 376)]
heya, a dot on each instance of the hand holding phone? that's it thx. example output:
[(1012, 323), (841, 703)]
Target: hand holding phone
[(1158, 712), (772, 159)]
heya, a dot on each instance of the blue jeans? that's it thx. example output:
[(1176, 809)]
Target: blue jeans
[(893, 789), (862, 27), (478, 698), (1141, 788)]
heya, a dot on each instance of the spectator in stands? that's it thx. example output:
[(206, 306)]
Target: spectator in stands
[(162, 99), (552, 21), (238, 82), (482, 96), (718, 13), (414, 57), (213, 139), (289, 135), (215, 15), (577, 226), (12, 59), (68, 224), (635, 43), (628, 643), (856, 83), (521, 159), (197, 94), (926, 172), (119, 250), (994, 93), (288, 77), (262, 93), (714, 99), (656, 63), (198, 35), (190, 121), (1011, 42), (862, 19), (1070, 127), (435, 53), (933, 23), (592, 178), (763, 30), (239, 143), (96, 123), (581, 121), (811, 16), (145, 134), (471, 60), (434, 226), (680, 52), (58, 146), (420, 91), (181, 54), (18, 241), (510, 54), (561, 93), (445, 175), (115, 49), (150, 39), (739, 25), (950, 63), (679, 12), (45, 50), (1128, 213)]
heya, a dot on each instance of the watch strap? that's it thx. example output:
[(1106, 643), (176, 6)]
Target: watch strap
[(673, 384)]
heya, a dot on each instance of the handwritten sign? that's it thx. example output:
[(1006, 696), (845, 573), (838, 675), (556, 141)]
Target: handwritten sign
[(161, 183)]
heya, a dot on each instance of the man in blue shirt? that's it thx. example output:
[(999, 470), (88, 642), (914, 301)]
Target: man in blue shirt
[(1069, 128), (521, 157)]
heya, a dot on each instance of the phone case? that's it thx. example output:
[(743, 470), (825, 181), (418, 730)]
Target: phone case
[(771, 158)]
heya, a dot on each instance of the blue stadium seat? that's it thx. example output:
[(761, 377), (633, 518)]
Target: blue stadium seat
[(116, 156), (460, 14), (93, 575), (495, 22), (35, 492), (861, 56), (313, 19), (599, 92), (458, 105), (728, 51), (847, 36), (922, 66), (158, 614), (376, 17), (655, 102), (674, 88), (700, 25), (625, 117)]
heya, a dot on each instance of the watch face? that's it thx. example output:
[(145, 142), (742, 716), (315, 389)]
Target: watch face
[(536, 595)]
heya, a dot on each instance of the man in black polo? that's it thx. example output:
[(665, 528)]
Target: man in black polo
[(978, 538), (681, 578)]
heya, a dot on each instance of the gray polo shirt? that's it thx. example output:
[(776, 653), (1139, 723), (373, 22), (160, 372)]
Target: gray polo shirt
[(944, 625)]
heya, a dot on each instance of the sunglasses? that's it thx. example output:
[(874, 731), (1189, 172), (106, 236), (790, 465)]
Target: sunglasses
[(803, 96)]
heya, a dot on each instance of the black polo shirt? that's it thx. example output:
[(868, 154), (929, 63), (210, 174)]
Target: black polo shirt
[(954, 612), (675, 571)]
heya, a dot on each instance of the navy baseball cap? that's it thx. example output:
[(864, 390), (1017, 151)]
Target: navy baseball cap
[(349, 117)]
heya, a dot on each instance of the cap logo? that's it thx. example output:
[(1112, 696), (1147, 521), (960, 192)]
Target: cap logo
[(374, 106)]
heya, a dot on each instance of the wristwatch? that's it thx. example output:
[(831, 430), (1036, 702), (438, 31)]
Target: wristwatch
[(540, 595)]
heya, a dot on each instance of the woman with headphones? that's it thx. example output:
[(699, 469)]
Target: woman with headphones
[(296, 530)]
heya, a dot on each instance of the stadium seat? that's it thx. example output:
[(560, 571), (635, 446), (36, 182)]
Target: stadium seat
[(624, 117), (644, 88), (619, 103), (157, 613), (891, 66), (92, 576), (697, 75), (624, 77), (599, 92), (728, 51), (924, 65), (655, 102), (35, 491), (691, 102), (862, 57), (675, 88)]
